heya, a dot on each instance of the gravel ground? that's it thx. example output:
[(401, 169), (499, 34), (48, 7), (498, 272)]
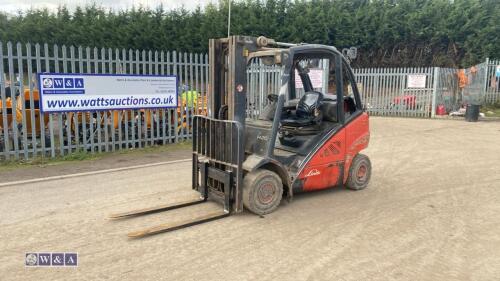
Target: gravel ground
[(431, 212)]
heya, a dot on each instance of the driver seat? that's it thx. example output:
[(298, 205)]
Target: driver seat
[(307, 112)]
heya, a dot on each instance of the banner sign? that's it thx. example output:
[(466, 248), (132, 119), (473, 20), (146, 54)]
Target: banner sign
[(416, 80), (65, 92)]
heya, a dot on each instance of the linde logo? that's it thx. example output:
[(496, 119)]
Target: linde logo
[(51, 259), (63, 83), (313, 172)]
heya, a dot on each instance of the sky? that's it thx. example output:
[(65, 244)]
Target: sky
[(13, 6)]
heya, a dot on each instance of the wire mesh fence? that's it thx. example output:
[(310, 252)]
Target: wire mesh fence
[(447, 94), (478, 84), (492, 81)]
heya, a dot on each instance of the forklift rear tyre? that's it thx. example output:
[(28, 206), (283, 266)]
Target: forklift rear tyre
[(262, 191), (359, 172)]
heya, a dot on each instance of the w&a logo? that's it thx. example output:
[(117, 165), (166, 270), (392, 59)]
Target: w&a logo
[(51, 259)]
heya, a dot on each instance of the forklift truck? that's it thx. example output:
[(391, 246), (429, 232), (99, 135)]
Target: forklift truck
[(304, 139)]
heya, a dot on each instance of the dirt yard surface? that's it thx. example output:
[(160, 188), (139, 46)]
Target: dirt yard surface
[(431, 212)]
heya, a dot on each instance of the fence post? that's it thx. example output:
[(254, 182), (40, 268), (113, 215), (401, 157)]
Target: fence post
[(434, 91), (486, 78)]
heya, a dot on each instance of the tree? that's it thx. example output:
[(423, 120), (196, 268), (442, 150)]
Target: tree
[(386, 32)]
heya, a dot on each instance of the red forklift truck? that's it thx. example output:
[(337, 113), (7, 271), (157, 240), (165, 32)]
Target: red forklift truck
[(306, 138)]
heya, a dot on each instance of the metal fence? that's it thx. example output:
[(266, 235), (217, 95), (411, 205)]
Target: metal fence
[(262, 80), (389, 91), (25, 132)]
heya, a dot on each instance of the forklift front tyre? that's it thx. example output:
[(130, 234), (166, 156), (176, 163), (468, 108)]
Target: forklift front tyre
[(262, 191), (359, 172)]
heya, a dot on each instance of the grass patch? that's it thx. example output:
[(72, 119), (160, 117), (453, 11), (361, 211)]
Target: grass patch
[(157, 148), (46, 161), (83, 155), (491, 110)]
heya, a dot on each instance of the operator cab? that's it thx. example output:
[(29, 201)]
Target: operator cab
[(310, 111)]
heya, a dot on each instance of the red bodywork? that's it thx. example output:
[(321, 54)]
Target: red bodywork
[(324, 168)]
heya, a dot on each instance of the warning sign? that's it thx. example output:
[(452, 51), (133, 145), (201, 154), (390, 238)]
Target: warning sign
[(316, 76), (416, 80)]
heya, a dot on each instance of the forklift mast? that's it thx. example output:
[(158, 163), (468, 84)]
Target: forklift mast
[(228, 85), (218, 142)]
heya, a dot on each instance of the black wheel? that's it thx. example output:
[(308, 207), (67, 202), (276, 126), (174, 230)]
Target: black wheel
[(262, 191), (359, 172)]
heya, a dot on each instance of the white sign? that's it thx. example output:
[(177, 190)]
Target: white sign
[(316, 76), (64, 92), (498, 71), (416, 80)]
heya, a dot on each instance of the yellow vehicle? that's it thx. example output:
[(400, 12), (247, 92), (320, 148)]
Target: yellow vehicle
[(8, 107), (32, 125), (198, 107), (28, 109)]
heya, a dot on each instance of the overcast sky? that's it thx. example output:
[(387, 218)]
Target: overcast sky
[(12, 6)]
